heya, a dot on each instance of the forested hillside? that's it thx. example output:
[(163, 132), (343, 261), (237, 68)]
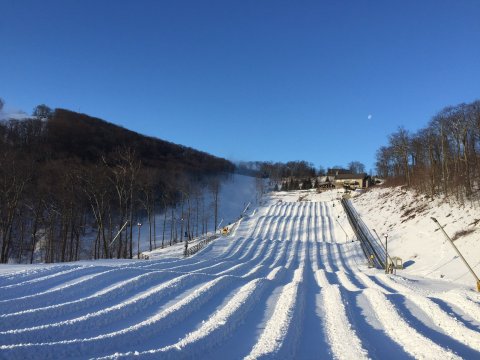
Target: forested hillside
[(66, 177), (79, 135), (442, 158)]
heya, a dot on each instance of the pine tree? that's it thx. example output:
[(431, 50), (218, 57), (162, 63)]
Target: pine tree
[(306, 184), (296, 185)]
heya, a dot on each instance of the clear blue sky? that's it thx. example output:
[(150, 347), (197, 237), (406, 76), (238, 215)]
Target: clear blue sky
[(246, 79)]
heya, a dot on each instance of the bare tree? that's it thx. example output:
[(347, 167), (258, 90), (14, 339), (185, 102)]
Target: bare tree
[(123, 177), (96, 188), (42, 112), (400, 143), (214, 187), (13, 180), (62, 176), (440, 158), (356, 167), (148, 181)]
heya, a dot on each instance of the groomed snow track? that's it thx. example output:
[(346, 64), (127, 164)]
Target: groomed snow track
[(282, 288)]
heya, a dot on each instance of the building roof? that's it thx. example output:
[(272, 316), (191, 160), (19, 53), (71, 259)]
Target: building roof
[(337, 171), (351, 176)]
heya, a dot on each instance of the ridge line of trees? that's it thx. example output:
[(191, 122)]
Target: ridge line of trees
[(442, 158), (70, 182)]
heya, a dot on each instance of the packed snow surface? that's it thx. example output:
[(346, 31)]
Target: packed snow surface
[(289, 283), (405, 217)]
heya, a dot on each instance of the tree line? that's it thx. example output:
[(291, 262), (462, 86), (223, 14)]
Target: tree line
[(74, 187), (291, 169), (442, 158)]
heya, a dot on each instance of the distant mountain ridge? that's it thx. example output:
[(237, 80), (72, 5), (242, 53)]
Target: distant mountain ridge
[(65, 175), (73, 134)]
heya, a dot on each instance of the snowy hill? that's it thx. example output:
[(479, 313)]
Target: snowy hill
[(289, 284), (236, 193), (413, 236)]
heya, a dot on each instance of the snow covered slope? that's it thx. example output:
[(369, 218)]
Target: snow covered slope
[(236, 193), (413, 236), (286, 286)]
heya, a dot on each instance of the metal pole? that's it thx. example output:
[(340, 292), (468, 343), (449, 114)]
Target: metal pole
[(185, 252), (458, 252), (386, 253), (138, 241), (380, 242), (220, 223), (119, 231), (246, 208), (341, 227)]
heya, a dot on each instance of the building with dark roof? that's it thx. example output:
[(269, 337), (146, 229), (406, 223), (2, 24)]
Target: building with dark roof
[(352, 181)]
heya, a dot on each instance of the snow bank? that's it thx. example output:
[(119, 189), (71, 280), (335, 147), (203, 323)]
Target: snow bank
[(413, 236)]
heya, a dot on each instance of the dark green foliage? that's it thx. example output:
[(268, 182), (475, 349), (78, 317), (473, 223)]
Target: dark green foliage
[(278, 171), (306, 184), (294, 184)]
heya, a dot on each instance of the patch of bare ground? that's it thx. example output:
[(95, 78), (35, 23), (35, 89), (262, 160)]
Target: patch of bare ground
[(413, 211), (462, 233), (384, 195), (475, 222)]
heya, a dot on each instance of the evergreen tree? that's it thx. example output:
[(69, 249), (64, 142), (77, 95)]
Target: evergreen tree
[(296, 185), (306, 184)]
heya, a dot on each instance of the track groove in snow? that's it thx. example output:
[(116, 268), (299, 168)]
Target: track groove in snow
[(287, 269), (337, 324)]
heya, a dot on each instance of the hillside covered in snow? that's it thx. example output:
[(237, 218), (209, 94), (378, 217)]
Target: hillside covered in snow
[(289, 283), (412, 235)]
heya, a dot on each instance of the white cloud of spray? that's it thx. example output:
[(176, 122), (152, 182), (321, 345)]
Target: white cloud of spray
[(7, 113)]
